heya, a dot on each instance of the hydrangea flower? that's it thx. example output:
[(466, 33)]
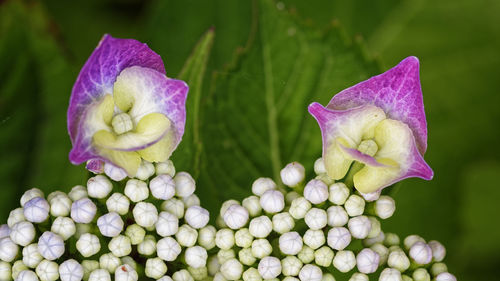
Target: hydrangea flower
[(123, 108), (379, 123)]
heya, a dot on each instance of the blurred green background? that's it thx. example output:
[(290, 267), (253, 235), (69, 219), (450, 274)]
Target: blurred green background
[(325, 46)]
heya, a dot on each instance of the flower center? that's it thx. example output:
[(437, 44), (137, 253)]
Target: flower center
[(368, 147), (122, 123)]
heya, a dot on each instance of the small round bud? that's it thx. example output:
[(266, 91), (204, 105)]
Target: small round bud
[(319, 166), (272, 201), (130, 261), (290, 243), (167, 224), (31, 256), (64, 227), (359, 227), (191, 200), (323, 256), (17, 267), (88, 245), (252, 204), (213, 265), (4, 231), (260, 227), (314, 238), (391, 239), (299, 208), (337, 216), (251, 274), (291, 266), (293, 174), (110, 224), (196, 256), (261, 185), (22, 233), (344, 261), (166, 168), (200, 273), (15, 216), (338, 193), (421, 253), (109, 262), (47, 270), (420, 274), (377, 239), (198, 217), (226, 205), (243, 238), (174, 206), (148, 246), (113, 172), (118, 203), (261, 248), (99, 274), (77, 192), (316, 191), (397, 259), (145, 214), (224, 255), (184, 184), (136, 190), (8, 249), (60, 206), (310, 273), (445, 276), (145, 170), (71, 270), (5, 271), (269, 267), (186, 236), (168, 249), (126, 273), (339, 238), (438, 250), (27, 275), (316, 218), (206, 237), (390, 274), (135, 233), (36, 210), (438, 268), (30, 194), (359, 277), (232, 269), (99, 187), (50, 246), (328, 277), (246, 257), (182, 275), (155, 268), (385, 207), (120, 246), (354, 205), (367, 261), (235, 216), (219, 277), (224, 239), (412, 239), (162, 187), (83, 210), (306, 255), (283, 222)]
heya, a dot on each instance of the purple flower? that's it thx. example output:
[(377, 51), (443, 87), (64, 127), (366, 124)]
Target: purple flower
[(123, 108), (379, 123)]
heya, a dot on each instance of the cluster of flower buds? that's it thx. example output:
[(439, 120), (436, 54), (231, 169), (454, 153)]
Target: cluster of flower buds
[(308, 231), (115, 226)]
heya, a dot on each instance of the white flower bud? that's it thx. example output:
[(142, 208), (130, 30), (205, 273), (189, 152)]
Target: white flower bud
[(246, 257), (272, 201), (339, 238), (196, 256), (359, 227), (397, 259), (99, 274), (162, 187), (385, 207), (182, 275), (47, 270), (77, 192), (99, 187), (367, 261), (17, 267), (328, 277), (377, 239), (15, 216), (5, 271), (359, 277), (126, 273), (88, 267), (323, 256), (337, 216), (269, 267), (261, 185), (391, 239), (120, 246), (438, 268), (155, 268), (22, 233), (252, 204), (290, 196), (290, 243), (36, 210), (261, 248), (390, 274), (338, 193), (4, 231), (135, 233), (167, 224), (166, 168), (200, 273), (27, 275), (226, 205), (283, 222), (136, 190), (232, 269), (344, 261), (213, 265), (30, 194), (291, 266), (316, 218), (109, 262), (168, 249), (224, 255), (186, 236), (445, 276), (8, 249), (375, 228), (88, 245), (420, 274), (50, 246), (372, 196), (118, 203), (206, 237), (174, 206), (260, 227), (64, 227), (83, 210), (421, 253), (382, 251), (316, 191), (60, 205), (31, 256), (306, 255), (310, 273), (145, 170), (299, 208), (148, 246), (184, 184), (319, 166), (219, 277), (412, 239), (438, 250), (251, 274), (110, 224), (130, 261), (243, 238), (293, 174), (354, 205), (235, 216), (224, 239), (145, 214), (314, 238), (71, 270), (113, 172), (191, 200)]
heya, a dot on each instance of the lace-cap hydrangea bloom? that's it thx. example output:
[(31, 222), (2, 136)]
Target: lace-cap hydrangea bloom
[(124, 109), (379, 123)]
